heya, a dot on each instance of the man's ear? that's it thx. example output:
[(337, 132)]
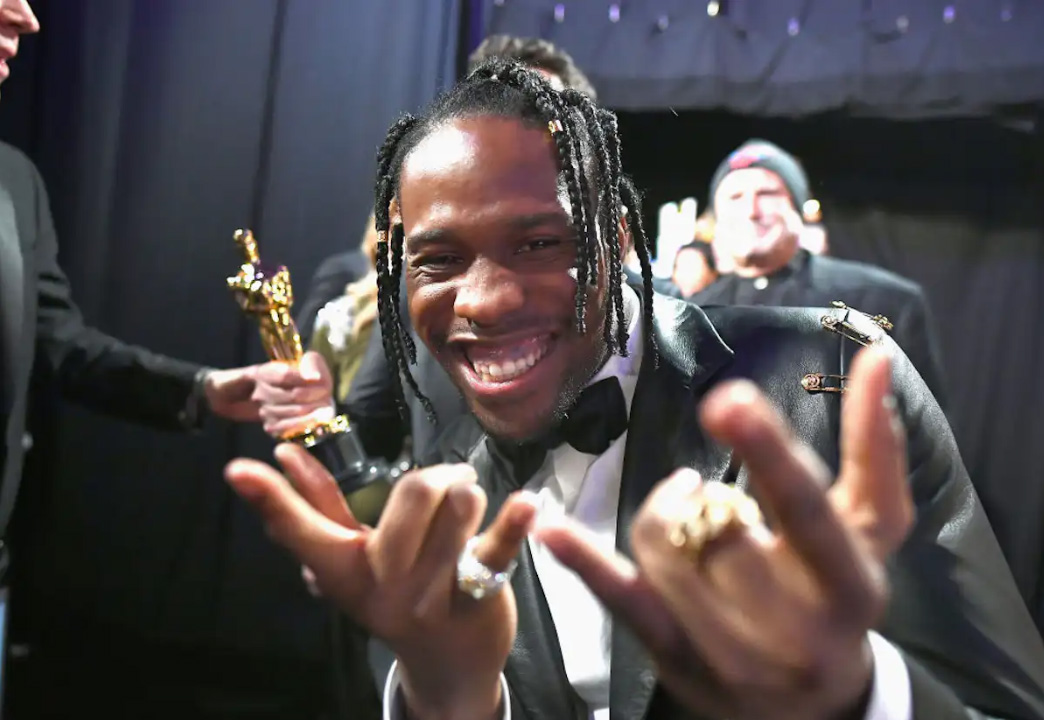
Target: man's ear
[(623, 233), (394, 216)]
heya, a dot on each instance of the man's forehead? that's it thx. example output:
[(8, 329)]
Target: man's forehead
[(754, 178), (481, 159), (447, 147)]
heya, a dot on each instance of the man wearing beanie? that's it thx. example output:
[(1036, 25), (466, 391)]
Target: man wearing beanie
[(758, 194)]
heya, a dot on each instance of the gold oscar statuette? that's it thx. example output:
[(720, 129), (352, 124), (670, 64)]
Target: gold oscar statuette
[(266, 294)]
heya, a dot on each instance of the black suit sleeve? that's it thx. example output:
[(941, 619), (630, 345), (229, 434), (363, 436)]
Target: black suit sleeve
[(330, 279), (956, 613), (89, 366)]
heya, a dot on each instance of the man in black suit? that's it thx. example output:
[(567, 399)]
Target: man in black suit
[(874, 590), (39, 319), (759, 195)]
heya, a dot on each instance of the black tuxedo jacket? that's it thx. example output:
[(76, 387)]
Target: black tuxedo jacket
[(955, 614), (38, 318)]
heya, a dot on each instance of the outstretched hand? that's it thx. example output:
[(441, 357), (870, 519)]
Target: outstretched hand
[(398, 580), (768, 622)]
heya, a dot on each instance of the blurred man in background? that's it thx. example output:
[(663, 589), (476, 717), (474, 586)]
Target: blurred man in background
[(758, 194)]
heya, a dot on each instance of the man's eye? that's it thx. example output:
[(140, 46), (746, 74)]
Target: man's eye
[(541, 244), (435, 261)]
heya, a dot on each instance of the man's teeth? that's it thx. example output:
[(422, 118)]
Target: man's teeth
[(504, 370)]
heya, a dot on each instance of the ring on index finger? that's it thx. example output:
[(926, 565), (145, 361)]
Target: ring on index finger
[(714, 509), (475, 578)]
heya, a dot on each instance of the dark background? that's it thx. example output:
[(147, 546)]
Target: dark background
[(161, 126)]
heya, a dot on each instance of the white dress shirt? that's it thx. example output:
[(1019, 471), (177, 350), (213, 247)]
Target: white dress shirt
[(587, 488)]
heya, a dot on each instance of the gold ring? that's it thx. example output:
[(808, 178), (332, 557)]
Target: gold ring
[(715, 508)]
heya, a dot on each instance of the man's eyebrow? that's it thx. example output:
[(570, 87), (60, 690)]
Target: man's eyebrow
[(419, 240)]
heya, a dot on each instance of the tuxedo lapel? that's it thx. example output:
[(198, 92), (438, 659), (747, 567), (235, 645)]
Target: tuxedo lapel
[(535, 670), (12, 306), (663, 435)]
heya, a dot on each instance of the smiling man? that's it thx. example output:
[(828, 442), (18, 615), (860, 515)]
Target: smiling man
[(647, 584)]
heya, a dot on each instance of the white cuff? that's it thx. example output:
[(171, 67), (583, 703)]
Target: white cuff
[(891, 697), (395, 706)]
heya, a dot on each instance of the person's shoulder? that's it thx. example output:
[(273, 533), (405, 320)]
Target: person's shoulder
[(15, 167), (851, 275)]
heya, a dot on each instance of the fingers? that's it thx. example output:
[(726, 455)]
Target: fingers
[(313, 368), (616, 582), (310, 371), (317, 541), (872, 491), (502, 540), (710, 596), (292, 397), (791, 482), (315, 484), (457, 519), (720, 595), (408, 514)]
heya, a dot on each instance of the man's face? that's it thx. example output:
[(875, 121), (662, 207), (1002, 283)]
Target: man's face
[(489, 258), (16, 19), (756, 222), (691, 271)]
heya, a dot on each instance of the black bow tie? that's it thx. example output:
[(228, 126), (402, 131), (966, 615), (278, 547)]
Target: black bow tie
[(597, 419)]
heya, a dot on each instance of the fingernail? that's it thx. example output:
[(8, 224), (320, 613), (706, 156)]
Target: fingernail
[(461, 500)]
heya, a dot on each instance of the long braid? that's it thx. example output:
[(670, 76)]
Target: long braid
[(629, 195), (389, 270), (404, 342), (609, 214), (396, 257), (631, 199)]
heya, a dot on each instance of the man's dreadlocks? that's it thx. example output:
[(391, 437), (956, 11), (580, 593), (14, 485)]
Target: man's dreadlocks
[(580, 130)]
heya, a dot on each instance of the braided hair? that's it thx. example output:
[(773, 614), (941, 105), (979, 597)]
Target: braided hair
[(588, 146)]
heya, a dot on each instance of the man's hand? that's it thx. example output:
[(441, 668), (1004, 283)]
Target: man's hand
[(398, 580), (228, 393), (768, 623), (293, 397)]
